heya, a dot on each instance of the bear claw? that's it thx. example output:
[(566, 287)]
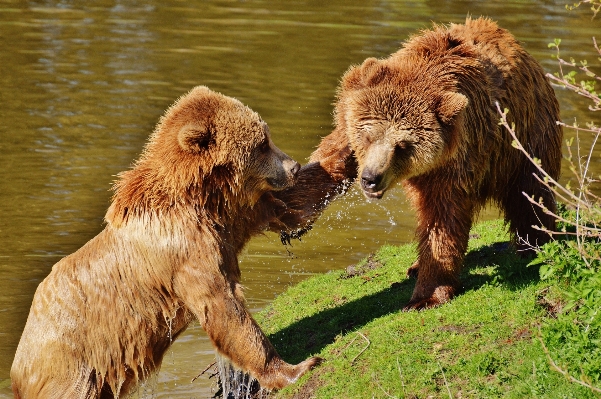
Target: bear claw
[(413, 270), (421, 304)]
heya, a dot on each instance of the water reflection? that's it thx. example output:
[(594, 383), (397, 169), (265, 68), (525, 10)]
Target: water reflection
[(83, 85)]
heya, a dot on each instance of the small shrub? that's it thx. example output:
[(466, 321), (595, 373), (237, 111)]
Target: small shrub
[(571, 338)]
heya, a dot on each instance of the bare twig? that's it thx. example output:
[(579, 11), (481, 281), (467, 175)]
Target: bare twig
[(446, 384), (563, 124), (362, 350), (204, 371), (579, 201), (516, 143), (401, 376), (576, 89), (382, 389), (593, 231), (347, 345)]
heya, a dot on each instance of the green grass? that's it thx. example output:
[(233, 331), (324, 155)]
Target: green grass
[(483, 344)]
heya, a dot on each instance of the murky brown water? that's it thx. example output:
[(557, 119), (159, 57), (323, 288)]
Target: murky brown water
[(82, 87)]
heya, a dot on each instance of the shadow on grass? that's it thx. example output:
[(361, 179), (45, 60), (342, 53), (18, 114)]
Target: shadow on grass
[(311, 334), (509, 269)]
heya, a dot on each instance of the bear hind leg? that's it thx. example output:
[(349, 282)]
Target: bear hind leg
[(525, 218)]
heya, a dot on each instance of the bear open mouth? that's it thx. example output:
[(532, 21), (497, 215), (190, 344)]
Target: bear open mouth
[(373, 195), (278, 184)]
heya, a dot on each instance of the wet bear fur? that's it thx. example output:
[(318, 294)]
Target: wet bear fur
[(426, 117), (102, 320)]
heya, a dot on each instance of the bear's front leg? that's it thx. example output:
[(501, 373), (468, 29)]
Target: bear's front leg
[(444, 221), (220, 309), (331, 170)]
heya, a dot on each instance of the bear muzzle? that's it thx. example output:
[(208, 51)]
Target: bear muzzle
[(293, 168), (371, 183), (286, 177)]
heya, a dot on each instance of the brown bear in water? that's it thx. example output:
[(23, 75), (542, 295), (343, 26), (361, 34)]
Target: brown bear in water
[(426, 116), (102, 320)]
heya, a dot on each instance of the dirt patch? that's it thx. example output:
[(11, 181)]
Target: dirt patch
[(359, 270), (550, 302)]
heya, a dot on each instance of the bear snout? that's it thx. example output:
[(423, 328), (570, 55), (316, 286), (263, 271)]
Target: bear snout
[(286, 175), (291, 167), (295, 169), (370, 181)]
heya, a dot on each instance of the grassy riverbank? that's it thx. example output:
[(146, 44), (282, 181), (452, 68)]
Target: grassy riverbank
[(484, 344)]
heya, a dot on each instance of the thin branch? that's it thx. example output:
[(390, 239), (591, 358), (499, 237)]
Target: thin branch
[(519, 146), (446, 384), (577, 89), (559, 218), (204, 371), (401, 376), (382, 389), (579, 202), (563, 124), (362, 350), (347, 345)]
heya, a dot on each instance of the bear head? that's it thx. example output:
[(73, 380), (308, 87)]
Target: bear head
[(207, 151), (401, 120)]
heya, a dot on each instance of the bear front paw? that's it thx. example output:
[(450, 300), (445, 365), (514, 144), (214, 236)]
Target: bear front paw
[(284, 374), (287, 236), (441, 294), (421, 304)]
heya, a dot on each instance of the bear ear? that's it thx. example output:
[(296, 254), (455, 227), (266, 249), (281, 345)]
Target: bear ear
[(449, 105), (352, 79), (194, 137), (371, 72)]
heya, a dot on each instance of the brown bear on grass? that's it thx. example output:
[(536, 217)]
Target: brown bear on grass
[(102, 320), (426, 116)]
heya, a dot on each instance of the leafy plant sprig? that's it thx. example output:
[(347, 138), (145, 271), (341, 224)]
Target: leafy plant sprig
[(573, 257), (595, 6)]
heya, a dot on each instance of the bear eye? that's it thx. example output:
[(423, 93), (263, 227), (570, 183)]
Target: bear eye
[(264, 146), (403, 147)]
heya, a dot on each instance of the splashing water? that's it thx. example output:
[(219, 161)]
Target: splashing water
[(236, 384), (147, 389)]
